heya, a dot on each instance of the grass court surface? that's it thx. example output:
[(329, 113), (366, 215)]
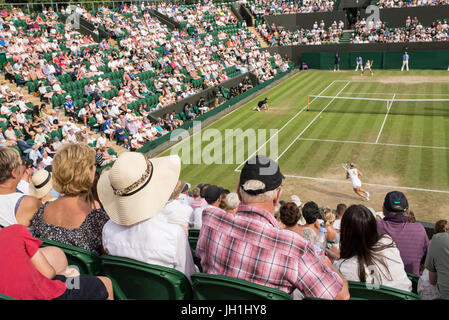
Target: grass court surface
[(394, 125)]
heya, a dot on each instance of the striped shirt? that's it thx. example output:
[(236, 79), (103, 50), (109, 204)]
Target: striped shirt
[(249, 245), (411, 239)]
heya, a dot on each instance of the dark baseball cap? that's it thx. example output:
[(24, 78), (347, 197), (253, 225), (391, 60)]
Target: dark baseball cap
[(395, 201), (212, 193), (263, 169)]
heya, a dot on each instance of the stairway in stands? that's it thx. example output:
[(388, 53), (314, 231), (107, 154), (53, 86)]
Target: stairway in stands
[(346, 37), (263, 42)]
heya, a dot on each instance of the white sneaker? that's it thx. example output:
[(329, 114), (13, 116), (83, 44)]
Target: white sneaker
[(367, 196)]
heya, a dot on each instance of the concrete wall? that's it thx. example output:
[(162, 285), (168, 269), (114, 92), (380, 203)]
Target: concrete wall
[(306, 20), (294, 53), (207, 94)]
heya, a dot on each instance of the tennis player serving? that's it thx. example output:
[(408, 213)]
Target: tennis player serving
[(353, 173)]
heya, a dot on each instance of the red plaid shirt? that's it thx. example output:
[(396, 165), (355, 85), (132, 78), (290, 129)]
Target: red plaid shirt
[(249, 245)]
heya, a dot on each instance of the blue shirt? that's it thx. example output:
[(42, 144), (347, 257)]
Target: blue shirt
[(405, 57), (69, 104)]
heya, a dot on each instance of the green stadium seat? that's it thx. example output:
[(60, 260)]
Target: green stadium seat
[(217, 287), (414, 279), (367, 291), (138, 280), (3, 297), (193, 239), (86, 261)]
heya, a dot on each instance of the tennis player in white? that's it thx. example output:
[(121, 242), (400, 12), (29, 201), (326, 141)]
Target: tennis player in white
[(354, 174)]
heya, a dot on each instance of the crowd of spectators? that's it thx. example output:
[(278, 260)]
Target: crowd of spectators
[(113, 91), (259, 8), (317, 35), (74, 205), (410, 3), (413, 31)]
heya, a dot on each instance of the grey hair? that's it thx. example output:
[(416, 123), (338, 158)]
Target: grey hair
[(256, 185), (232, 201)]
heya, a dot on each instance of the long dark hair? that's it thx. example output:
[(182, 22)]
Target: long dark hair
[(359, 238)]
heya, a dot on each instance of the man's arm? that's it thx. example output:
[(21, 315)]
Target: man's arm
[(433, 278), (27, 209), (344, 292), (42, 265)]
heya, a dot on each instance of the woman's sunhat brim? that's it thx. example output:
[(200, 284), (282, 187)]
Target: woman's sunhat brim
[(147, 202), (43, 190)]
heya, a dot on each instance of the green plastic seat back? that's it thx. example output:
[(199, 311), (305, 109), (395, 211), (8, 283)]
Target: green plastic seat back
[(3, 297), (193, 239), (369, 292), (87, 262), (414, 279), (138, 280), (217, 287)]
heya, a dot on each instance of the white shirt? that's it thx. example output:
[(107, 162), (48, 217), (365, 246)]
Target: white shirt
[(46, 161), (153, 241), (186, 199), (396, 279), (198, 217), (101, 142), (24, 187), (178, 212)]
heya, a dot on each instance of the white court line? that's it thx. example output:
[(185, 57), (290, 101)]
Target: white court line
[(311, 122), (377, 99), (282, 128), (368, 184), (400, 94), (385, 119), (365, 183), (374, 143)]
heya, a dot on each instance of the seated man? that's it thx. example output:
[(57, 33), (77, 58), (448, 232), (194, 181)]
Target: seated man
[(33, 273), (437, 262), (249, 245), (411, 238)]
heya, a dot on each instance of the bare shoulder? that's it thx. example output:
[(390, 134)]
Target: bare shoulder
[(27, 209)]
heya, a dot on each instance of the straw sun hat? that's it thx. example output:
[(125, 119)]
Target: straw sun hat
[(41, 183), (137, 188)]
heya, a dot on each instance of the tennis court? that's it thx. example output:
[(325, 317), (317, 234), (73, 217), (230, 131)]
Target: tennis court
[(397, 132)]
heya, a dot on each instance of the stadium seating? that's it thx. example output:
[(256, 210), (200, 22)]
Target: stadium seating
[(216, 287), (3, 297), (86, 261), (414, 279), (366, 291), (138, 280), (193, 239)]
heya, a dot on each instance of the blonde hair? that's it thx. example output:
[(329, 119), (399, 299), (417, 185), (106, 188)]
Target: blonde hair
[(329, 217), (71, 169), (9, 160)]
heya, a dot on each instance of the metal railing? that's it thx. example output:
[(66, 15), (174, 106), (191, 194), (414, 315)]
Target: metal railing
[(29, 8)]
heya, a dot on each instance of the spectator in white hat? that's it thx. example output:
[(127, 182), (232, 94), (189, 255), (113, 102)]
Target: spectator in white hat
[(133, 193), (41, 185)]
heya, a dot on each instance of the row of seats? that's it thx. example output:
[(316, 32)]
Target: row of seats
[(137, 280)]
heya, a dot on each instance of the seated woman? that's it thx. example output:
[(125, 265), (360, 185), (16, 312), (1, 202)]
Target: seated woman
[(71, 218), (367, 256), (311, 213), (290, 215)]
